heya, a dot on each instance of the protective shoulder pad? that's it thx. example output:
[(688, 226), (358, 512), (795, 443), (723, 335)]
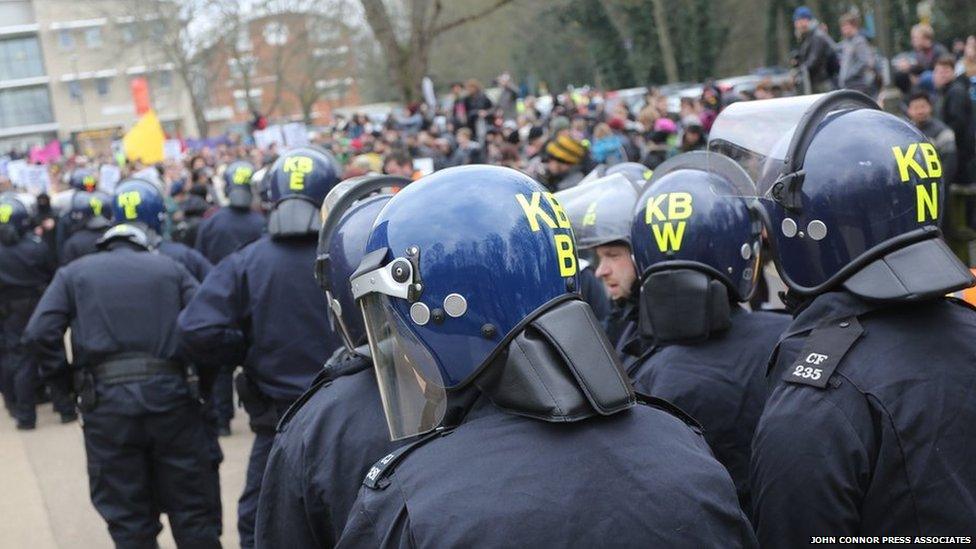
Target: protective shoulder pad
[(378, 476), (665, 406), (822, 352)]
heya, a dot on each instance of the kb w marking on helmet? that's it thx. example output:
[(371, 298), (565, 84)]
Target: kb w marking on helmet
[(668, 229), (565, 251), (926, 194)]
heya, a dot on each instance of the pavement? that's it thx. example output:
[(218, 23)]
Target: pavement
[(45, 503)]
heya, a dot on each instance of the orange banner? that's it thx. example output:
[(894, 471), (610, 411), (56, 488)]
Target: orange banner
[(140, 94)]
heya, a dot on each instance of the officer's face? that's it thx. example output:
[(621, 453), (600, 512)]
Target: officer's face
[(616, 269)]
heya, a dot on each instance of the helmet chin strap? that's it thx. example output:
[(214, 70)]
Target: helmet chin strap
[(560, 368)]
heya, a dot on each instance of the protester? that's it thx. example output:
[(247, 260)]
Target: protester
[(857, 60)]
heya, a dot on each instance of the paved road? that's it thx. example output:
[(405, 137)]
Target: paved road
[(44, 486)]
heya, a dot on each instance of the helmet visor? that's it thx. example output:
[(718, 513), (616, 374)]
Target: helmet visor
[(600, 212), (410, 383)]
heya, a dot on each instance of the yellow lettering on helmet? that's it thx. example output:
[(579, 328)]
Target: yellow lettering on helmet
[(931, 159), (905, 159), (128, 201), (679, 206), (297, 167), (534, 212), (589, 218), (561, 218), (6, 210), (566, 254), (927, 201), (668, 235), (669, 230), (242, 176), (654, 212), (96, 206)]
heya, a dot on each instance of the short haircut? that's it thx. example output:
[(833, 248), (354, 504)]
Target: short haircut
[(946, 60), (850, 18), (919, 94), (925, 30)]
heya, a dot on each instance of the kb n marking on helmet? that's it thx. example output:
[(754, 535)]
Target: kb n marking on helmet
[(927, 193)]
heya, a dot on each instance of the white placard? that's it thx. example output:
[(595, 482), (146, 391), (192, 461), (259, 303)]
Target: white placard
[(172, 149), (108, 177), (13, 170), (295, 135), (423, 165), (269, 136), (34, 179)]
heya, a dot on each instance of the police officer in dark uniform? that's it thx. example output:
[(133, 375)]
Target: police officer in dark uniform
[(696, 245), (217, 237), (469, 280), (85, 223), (600, 212), (26, 267), (145, 437), (261, 308), (329, 438), (141, 202), (869, 426)]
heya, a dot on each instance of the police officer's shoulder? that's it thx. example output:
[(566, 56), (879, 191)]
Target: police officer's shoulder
[(31, 237), (378, 477), (670, 409), (341, 364)]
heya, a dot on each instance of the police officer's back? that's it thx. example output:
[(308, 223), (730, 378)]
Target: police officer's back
[(235, 224), (557, 452), (144, 432), (701, 350), (261, 308), (26, 266), (868, 428), (85, 223)]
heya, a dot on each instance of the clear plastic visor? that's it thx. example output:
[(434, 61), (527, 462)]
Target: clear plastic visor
[(600, 211), (410, 383)]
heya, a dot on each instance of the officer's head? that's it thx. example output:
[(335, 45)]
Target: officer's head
[(851, 196), (139, 201), (16, 219), (637, 173), (92, 210), (237, 184), (457, 266), (696, 245), (83, 179), (132, 234), (297, 183), (600, 212), (348, 212)]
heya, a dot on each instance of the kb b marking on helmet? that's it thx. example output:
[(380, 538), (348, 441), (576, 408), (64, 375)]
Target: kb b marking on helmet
[(534, 213)]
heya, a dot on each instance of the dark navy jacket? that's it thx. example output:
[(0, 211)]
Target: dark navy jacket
[(227, 230), (324, 447), (81, 242), (194, 262), (118, 301), (888, 447), (26, 266), (721, 382), (262, 308), (638, 478)]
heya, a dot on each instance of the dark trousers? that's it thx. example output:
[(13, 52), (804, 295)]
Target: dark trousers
[(223, 395), (141, 466), (247, 505), (16, 365), (62, 394)]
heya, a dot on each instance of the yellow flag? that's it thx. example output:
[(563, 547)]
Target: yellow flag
[(144, 142)]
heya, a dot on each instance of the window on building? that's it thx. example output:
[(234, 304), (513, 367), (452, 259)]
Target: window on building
[(243, 41), (165, 80), (276, 33), (244, 65), (25, 107), (103, 86), (128, 32), (93, 37), (20, 58), (66, 40), (74, 89)]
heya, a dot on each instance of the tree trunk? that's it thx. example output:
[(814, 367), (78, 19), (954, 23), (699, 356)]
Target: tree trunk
[(664, 37)]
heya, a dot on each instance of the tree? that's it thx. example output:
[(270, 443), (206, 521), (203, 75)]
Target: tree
[(407, 48)]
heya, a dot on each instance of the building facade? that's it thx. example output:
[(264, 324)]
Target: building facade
[(26, 109)]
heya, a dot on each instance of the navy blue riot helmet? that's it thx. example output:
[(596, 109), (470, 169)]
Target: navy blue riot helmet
[(297, 183), (15, 218), (237, 184), (90, 209), (851, 196), (139, 201), (348, 212), (692, 214), (83, 179), (456, 265)]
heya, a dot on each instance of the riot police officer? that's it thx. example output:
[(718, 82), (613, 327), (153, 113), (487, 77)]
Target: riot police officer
[(26, 267), (469, 280), (217, 237), (868, 428), (329, 438), (137, 201), (145, 438), (261, 308), (85, 223), (696, 245), (600, 212)]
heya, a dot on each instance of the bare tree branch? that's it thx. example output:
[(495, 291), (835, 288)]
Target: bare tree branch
[(469, 18)]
